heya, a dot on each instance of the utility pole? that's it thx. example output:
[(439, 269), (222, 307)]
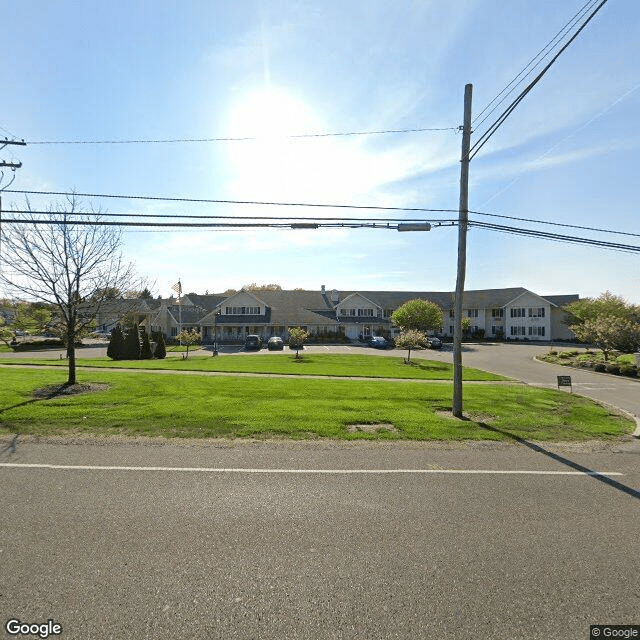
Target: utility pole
[(463, 220), (3, 144)]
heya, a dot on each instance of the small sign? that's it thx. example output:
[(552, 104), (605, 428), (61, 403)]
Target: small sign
[(564, 381)]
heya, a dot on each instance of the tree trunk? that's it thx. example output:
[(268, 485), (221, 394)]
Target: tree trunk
[(71, 355)]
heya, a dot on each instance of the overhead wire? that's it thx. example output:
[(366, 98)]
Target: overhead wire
[(190, 216), (248, 138), (219, 201), (508, 89), (484, 138), (291, 223)]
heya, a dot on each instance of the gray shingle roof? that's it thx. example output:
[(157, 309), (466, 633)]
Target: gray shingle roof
[(303, 307)]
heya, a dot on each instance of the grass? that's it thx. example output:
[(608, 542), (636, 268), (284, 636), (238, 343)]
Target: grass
[(366, 366), (235, 407)]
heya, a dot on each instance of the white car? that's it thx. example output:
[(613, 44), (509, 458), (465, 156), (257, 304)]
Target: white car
[(102, 333)]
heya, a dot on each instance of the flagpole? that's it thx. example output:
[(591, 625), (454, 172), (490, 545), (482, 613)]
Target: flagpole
[(180, 309)]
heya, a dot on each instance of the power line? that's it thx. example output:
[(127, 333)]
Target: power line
[(321, 223), (288, 204), (216, 201), (189, 216), (475, 148), (508, 89), (248, 138), (557, 224), (557, 237)]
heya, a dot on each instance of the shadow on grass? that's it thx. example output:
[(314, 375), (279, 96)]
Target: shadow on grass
[(562, 460), (48, 393)]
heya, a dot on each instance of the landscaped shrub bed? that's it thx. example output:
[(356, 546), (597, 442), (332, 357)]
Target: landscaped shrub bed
[(37, 345), (617, 364)]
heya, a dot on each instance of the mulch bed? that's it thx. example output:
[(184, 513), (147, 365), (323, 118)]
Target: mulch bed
[(56, 390)]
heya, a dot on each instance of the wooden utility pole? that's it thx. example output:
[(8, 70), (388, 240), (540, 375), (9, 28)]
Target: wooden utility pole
[(463, 220)]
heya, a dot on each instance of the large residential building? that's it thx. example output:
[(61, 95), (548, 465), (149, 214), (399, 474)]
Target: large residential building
[(513, 313)]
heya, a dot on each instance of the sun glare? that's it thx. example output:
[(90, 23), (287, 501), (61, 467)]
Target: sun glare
[(270, 113)]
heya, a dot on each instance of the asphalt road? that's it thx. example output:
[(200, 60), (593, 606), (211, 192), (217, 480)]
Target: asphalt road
[(218, 539), (132, 553)]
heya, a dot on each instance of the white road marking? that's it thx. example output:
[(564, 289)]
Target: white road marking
[(534, 472)]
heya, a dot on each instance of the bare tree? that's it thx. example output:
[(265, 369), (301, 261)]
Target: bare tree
[(66, 258)]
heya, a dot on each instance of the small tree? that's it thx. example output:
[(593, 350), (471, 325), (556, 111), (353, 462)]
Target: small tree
[(610, 333), (297, 337), (466, 326), (145, 348), (115, 350), (188, 337), (411, 339), (609, 322), (69, 263), (421, 315), (161, 347), (132, 344)]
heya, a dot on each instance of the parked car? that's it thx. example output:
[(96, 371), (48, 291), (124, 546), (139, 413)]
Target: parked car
[(275, 344), (102, 333), (433, 342), (253, 343), (378, 342)]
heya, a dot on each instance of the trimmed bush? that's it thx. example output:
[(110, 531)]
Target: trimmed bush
[(132, 344), (600, 366), (613, 368), (115, 350), (145, 349), (629, 370), (161, 347), (36, 345)]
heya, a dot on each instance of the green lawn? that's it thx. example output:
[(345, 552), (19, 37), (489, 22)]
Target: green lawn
[(220, 406), (321, 364)]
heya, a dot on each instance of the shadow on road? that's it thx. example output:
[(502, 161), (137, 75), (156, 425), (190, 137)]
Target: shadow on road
[(562, 460)]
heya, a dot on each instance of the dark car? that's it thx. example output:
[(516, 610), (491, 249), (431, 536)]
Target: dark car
[(378, 342), (434, 342), (253, 343), (275, 344)]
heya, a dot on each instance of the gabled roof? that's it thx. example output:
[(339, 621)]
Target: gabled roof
[(358, 294), (229, 300), (561, 301)]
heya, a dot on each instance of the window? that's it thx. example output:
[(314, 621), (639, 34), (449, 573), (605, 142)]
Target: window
[(536, 331), (472, 313), (451, 314), (518, 331), (536, 312), (497, 313), (241, 311), (388, 313), (518, 313), (450, 329), (365, 312)]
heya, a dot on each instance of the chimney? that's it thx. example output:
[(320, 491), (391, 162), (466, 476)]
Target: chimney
[(322, 290)]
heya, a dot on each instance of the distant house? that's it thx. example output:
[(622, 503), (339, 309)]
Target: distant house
[(512, 313), (112, 312)]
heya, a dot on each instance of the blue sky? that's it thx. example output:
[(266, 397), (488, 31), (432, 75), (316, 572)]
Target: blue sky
[(132, 69)]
